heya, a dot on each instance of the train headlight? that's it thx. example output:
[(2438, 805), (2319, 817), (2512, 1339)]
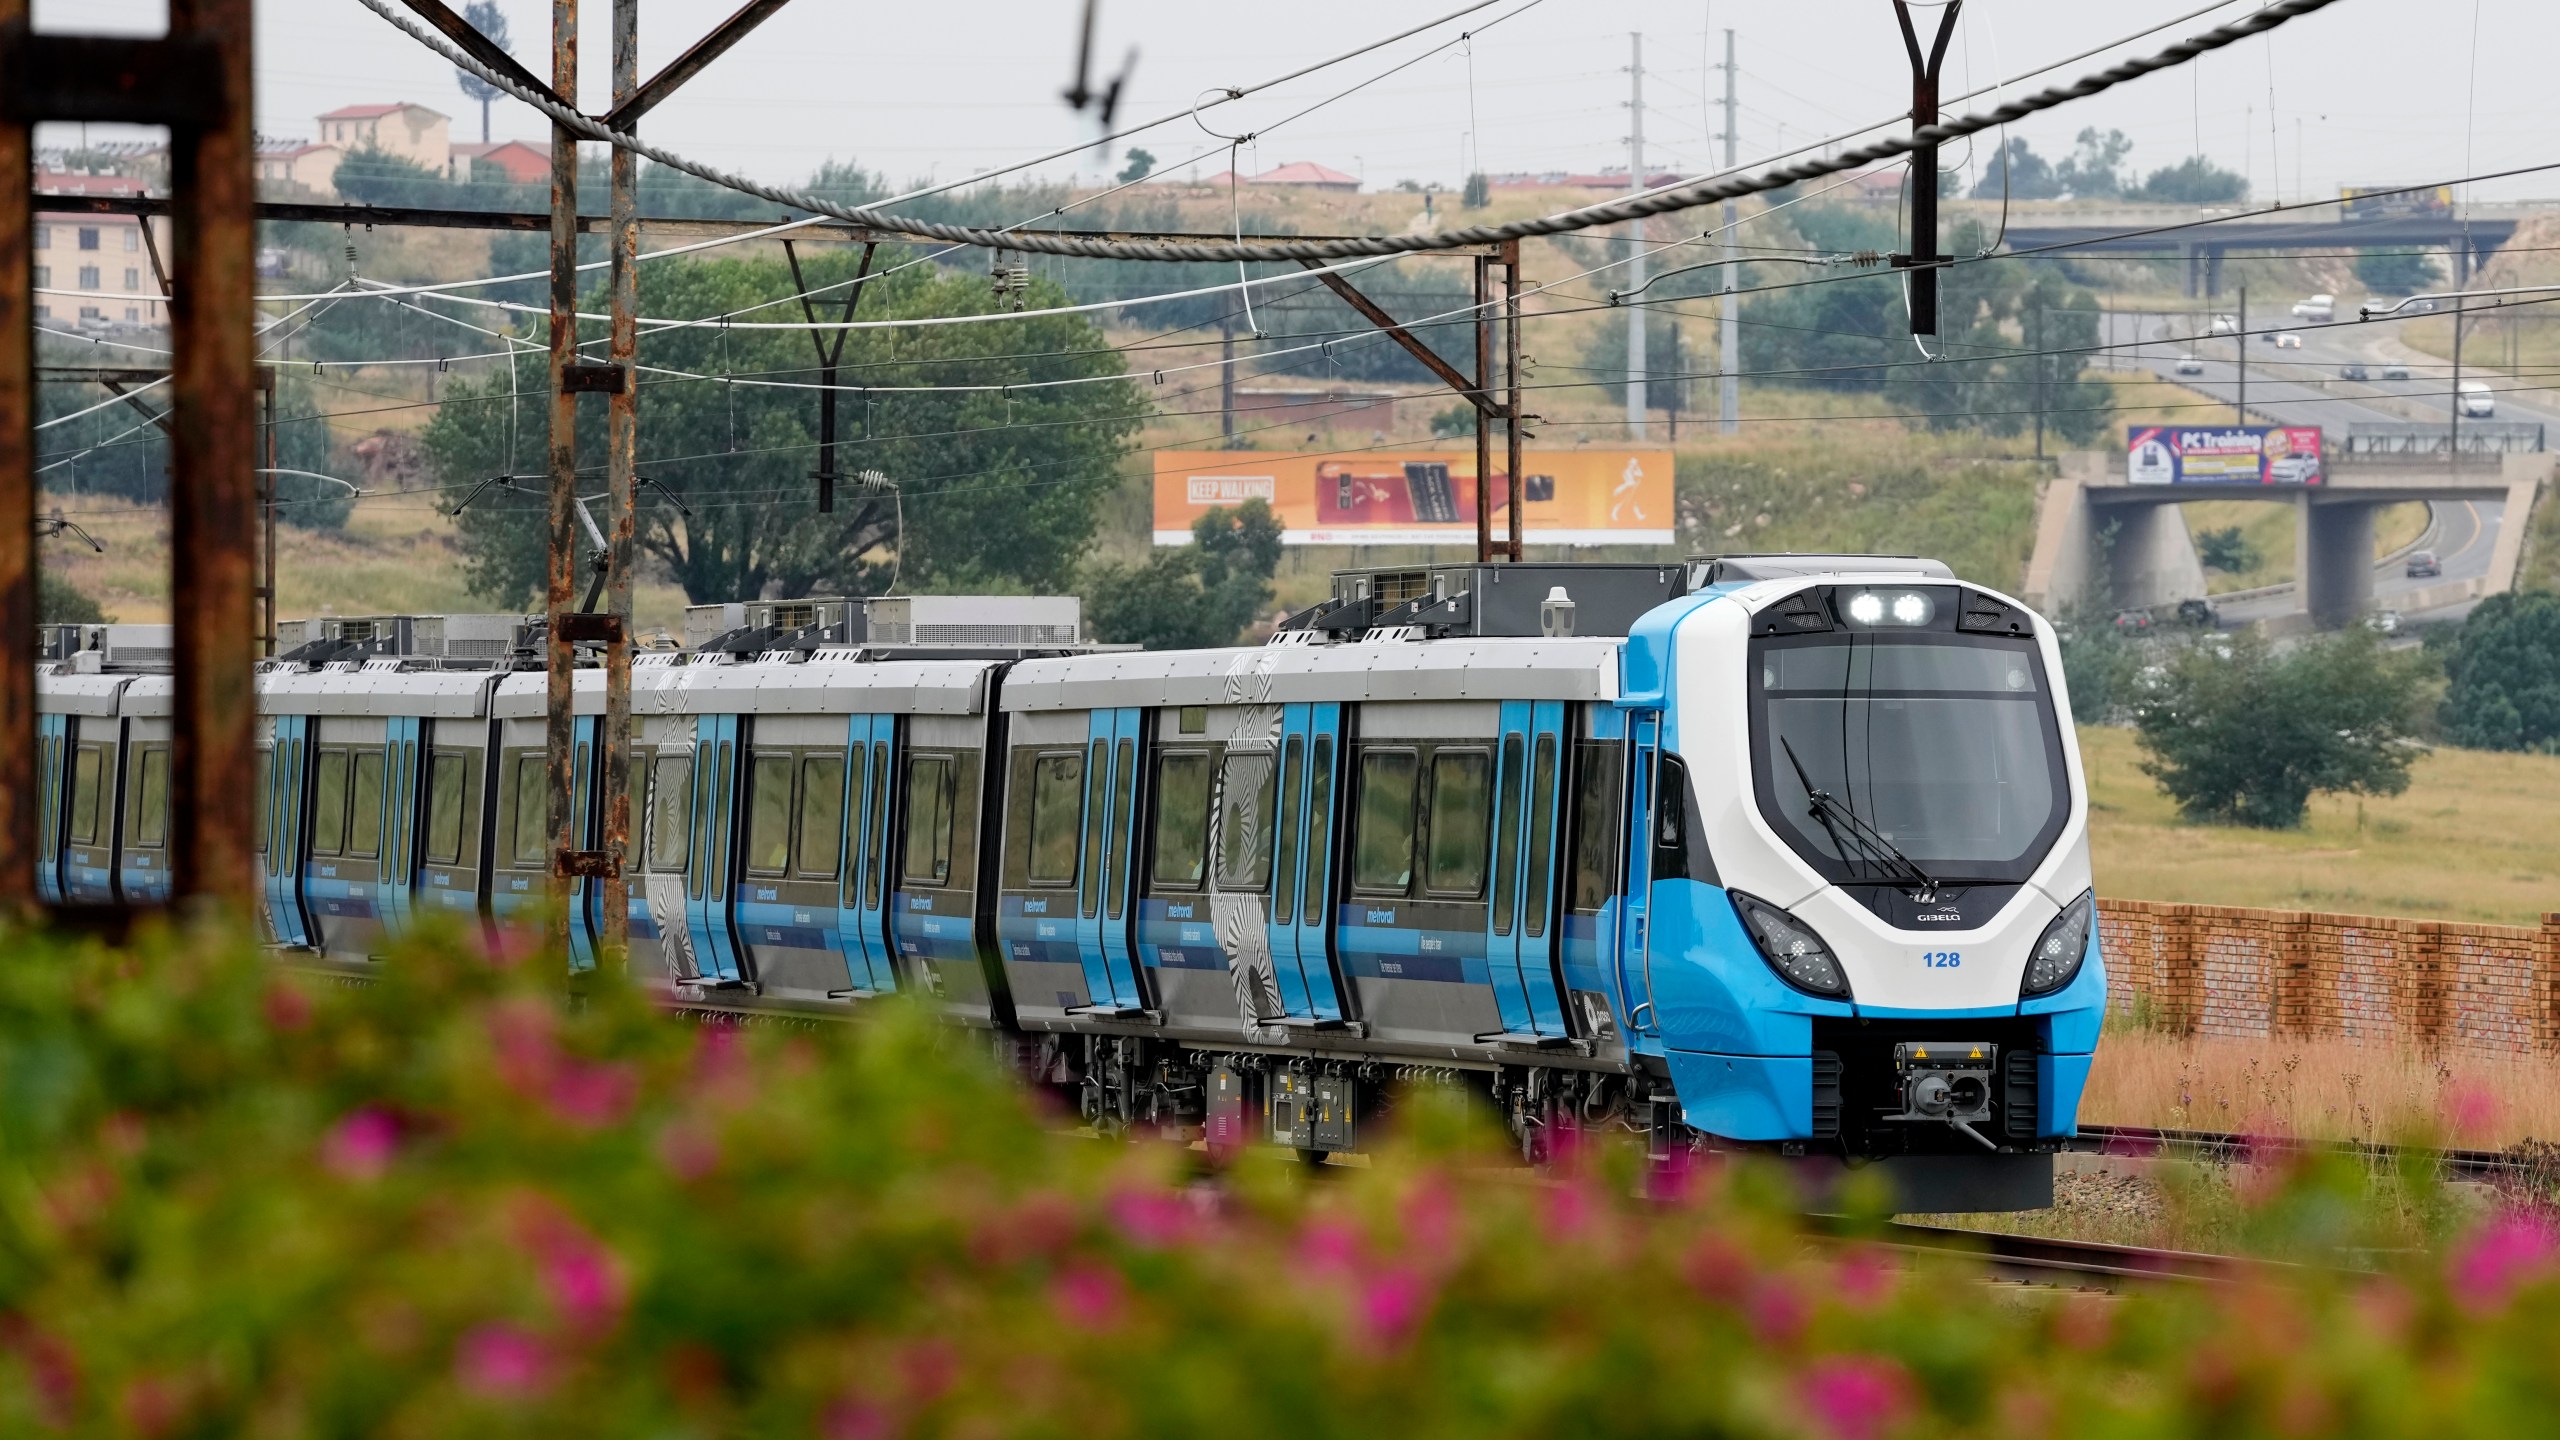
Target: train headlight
[(2061, 948), (1891, 607), (1791, 947)]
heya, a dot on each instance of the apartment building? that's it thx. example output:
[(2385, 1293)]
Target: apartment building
[(96, 271)]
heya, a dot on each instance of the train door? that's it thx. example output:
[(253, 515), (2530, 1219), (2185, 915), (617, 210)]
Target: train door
[(1594, 904), (89, 838), (1519, 945), (861, 903), (142, 857), (1635, 957), (1302, 861), (53, 746), (661, 845), (1102, 927), (262, 825), (520, 873), (398, 869), (715, 762), (791, 855), (283, 798), (454, 837), (1049, 896), (342, 864), (933, 916)]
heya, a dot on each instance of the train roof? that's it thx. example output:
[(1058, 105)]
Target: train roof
[(827, 682), (1505, 669), (378, 687)]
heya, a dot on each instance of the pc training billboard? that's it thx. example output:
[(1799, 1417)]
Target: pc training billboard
[(2222, 455), (1422, 497)]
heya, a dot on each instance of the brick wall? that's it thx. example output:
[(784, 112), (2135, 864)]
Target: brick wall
[(2250, 974)]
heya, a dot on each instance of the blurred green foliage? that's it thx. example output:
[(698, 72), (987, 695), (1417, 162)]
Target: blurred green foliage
[(240, 1200)]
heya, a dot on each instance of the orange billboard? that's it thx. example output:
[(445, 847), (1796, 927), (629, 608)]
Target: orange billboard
[(1422, 497)]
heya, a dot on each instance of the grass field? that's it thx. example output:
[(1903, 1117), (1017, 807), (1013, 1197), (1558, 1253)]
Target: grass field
[(2472, 839)]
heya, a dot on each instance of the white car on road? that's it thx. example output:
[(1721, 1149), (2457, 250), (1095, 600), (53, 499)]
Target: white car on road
[(2476, 400), (2319, 309), (2190, 365)]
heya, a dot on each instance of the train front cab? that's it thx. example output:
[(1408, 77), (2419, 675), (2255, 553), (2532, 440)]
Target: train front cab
[(1756, 1057)]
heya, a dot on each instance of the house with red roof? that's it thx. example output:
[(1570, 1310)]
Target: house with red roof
[(411, 131), (518, 162)]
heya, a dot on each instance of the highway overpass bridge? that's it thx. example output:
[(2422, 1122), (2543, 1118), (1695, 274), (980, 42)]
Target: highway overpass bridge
[(2200, 236), (2094, 525)]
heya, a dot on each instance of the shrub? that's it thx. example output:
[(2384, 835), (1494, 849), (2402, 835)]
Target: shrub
[(453, 1203), (2504, 665), (2249, 736), (1198, 595), (2227, 550)]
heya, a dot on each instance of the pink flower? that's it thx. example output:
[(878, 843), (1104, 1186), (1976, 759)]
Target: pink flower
[(521, 1032), (502, 1362), (361, 1146), (1089, 1296), (1152, 1218), (854, 1418), (2504, 1254), (1719, 1269), (1672, 1178), (1855, 1397), (288, 1008), (582, 1276), (2470, 1111), (1329, 1246), (1569, 1212), (1778, 1312), (1861, 1278), (1392, 1302), (592, 1096), (689, 1150), (1430, 1218)]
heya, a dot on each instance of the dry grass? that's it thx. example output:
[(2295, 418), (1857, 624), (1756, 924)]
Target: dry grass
[(397, 555), (2472, 839), (2321, 1089)]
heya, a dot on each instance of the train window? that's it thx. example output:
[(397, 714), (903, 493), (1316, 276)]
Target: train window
[(1319, 829), (878, 859), (329, 803), (821, 841), (1382, 848), (1595, 827), (1284, 893), (151, 824), (768, 812), (1096, 820), (1124, 823), (1057, 811), (1182, 818), (364, 805), (533, 803), (1461, 821), (928, 851), (1542, 824), (1506, 851), (670, 812), (1244, 831), (445, 777), (265, 782), (88, 765)]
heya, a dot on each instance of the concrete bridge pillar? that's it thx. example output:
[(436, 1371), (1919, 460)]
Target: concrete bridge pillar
[(2334, 546), (2212, 271), (2151, 561)]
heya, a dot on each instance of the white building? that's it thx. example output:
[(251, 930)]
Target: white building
[(94, 271)]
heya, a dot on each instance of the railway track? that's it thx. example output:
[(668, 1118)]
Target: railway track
[(2522, 1164), (2080, 1264)]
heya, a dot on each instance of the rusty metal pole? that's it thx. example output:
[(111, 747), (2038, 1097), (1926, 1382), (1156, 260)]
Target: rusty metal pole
[(622, 432), (1483, 390), (560, 727), (1511, 402), (267, 520), (213, 505), (17, 500)]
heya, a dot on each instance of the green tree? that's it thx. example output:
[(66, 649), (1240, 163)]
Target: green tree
[(2193, 181), (2395, 272), (2018, 172), (2227, 550), (2248, 737), (59, 602), (1141, 164), (1195, 596), (491, 21), (1479, 191), (2504, 674), (984, 487), (2094, 169)]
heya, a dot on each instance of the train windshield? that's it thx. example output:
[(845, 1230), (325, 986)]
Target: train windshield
[(1875, 755)]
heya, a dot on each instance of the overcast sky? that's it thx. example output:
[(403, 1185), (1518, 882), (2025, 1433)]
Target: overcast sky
[(2367, 92)]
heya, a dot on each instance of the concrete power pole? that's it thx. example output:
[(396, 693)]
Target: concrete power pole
[(1729, 324), (1635, 239)]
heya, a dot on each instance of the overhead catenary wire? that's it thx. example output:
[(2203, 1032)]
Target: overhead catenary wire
[(1634, 207)]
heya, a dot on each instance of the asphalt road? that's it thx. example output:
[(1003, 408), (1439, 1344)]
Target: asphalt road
[(2303, 387)]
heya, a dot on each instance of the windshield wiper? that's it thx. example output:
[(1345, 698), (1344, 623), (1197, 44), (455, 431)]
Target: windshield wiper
[(1874, 849)]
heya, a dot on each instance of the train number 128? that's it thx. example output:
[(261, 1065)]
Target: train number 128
[(1942, 959)]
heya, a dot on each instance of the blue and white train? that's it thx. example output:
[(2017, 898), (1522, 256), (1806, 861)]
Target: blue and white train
[(1780, 852)]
